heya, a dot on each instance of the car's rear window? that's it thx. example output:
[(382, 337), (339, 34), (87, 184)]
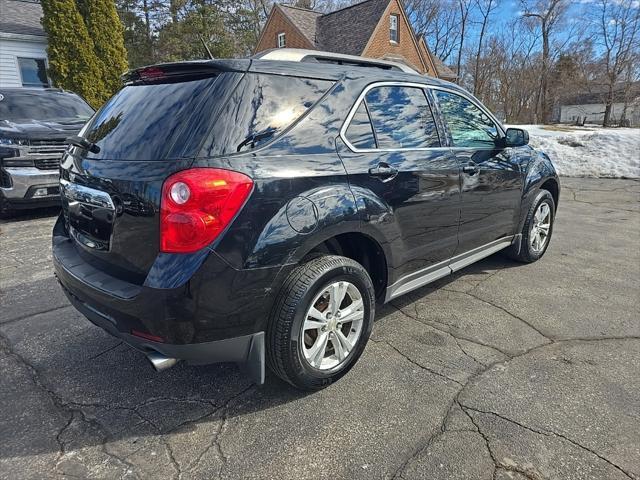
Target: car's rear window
[(161, 121), (260, 108), (142, 122)]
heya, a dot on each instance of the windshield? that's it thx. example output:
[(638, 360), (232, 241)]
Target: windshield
[(43, 106)]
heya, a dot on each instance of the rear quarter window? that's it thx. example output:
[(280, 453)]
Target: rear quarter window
[(261, 107)]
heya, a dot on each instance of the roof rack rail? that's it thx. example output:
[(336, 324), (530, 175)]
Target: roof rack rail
[(318, 56)]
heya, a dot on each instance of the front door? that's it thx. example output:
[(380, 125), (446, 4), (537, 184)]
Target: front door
[(491, 182), (392, 148)]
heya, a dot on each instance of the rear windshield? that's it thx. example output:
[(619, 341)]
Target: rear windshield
[(142, 122), (173, 120), (43, 106)]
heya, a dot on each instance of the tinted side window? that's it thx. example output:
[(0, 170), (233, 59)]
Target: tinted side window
[(260, 108), (360, 133), (402, 118), (469, 126)]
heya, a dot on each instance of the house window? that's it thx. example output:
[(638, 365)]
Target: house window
[(282, 40), (394, 34), (33, 72)]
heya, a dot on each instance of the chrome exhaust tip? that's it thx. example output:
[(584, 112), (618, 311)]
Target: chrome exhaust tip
[(160, 362)]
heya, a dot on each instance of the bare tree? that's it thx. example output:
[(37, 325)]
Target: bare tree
[(485, 9), (631, 90), (464, 7), (548, 14), (618, 32), (517, 73), (438, 21)]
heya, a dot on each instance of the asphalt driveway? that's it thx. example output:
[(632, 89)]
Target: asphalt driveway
[(503, 371)]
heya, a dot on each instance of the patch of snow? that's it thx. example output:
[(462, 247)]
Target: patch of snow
[(589, 151)]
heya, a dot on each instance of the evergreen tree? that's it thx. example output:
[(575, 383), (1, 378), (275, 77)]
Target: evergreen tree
[(105, 29), (72, 61), (137, 39), (182, 40)]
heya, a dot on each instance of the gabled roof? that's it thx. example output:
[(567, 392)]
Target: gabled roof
[(304, 19), (21, 17), (348, 30), (442, 70)]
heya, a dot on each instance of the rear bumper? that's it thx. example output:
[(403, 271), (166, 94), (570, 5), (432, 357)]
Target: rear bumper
[(218, 315), (31, 184), (247, 350)]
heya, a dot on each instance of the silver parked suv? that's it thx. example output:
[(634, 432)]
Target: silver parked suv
[(34, 124)]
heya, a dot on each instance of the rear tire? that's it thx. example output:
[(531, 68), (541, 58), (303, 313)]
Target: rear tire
[(320, 322), (537, 229)]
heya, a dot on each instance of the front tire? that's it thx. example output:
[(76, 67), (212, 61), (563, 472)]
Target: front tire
[(5, 208), (537, 229), (320, 322)]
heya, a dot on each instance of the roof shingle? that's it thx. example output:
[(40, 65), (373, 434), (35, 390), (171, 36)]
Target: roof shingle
[(348, 30), (304, 19), (21, 17), (442, 70)]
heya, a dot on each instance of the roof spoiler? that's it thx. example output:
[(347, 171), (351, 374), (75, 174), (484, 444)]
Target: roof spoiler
[(181, 71)]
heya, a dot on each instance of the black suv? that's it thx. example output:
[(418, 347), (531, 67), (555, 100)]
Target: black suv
[(34, 123), (255, 211)]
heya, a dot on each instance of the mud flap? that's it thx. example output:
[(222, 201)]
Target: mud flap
[(254, 366), (516, 244)]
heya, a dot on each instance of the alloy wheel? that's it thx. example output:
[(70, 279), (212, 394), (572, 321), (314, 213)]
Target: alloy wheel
[(332, 325), (541, 227)]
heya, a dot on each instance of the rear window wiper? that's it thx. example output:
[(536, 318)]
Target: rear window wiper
[(256, 137), (83, 143)]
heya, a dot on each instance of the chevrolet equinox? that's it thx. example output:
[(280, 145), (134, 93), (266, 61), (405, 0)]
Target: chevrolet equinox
[(256, 210)]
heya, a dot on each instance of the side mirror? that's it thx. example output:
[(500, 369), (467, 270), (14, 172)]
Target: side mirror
[(516, 137)]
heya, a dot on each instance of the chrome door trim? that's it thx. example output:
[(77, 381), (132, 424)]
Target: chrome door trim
[(423, 86), (418, 279), (356, 105), (473, 100), (432, 273), (460, 261)]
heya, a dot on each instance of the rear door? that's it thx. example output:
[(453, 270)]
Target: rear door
[(393, 150), (491, 182)]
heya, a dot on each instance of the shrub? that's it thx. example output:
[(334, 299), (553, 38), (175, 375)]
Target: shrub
[(72, 61)]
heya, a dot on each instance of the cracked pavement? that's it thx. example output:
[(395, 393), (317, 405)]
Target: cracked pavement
[(502, 371)]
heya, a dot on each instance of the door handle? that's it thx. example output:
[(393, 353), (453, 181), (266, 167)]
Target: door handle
[(384, 172), (471, 169)]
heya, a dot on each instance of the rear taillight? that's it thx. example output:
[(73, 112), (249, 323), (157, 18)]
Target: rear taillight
[(197, 205)]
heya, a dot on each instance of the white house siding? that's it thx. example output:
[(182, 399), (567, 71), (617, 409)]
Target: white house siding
[(594, 113), (13, 46)]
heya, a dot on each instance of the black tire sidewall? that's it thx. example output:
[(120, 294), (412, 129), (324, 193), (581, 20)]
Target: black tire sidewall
[(5, 208)]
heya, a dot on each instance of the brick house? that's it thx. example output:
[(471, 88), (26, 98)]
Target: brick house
[(373, 28)]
